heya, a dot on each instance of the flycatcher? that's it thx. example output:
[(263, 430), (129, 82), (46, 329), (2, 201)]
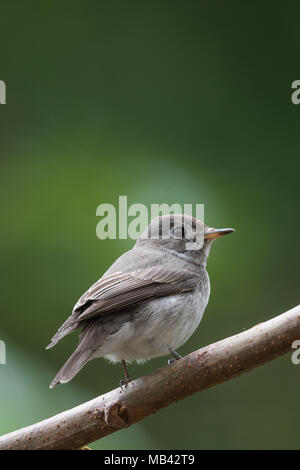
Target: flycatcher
[(149, 302)]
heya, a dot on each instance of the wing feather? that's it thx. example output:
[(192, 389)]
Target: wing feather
[(120, 290)]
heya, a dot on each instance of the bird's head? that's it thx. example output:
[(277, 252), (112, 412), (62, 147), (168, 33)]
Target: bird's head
[(183, 234)]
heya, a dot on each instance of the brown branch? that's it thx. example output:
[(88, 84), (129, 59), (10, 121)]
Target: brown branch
[(198, 371)]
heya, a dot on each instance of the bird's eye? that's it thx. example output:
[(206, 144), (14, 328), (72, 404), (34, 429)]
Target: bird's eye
[(178, 232)]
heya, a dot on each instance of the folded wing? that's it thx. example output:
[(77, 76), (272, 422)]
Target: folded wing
[(118, 291)]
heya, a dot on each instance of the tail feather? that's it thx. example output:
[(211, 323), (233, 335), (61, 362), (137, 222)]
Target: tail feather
[(90, 340), (72, 366), (64, 330)]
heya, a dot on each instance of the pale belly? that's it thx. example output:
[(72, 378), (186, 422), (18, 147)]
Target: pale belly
[(158, 325)]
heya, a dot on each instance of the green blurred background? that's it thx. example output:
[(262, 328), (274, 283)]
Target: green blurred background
[(162, 101)]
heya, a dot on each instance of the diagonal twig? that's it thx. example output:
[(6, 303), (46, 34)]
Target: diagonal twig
[(198, 371)]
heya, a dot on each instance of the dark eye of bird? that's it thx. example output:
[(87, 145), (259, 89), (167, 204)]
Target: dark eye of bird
[(178, 232)]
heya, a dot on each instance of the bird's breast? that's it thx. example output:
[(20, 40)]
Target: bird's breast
[(170, 321)]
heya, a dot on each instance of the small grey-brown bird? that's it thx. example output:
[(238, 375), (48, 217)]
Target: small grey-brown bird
[(149, 302)]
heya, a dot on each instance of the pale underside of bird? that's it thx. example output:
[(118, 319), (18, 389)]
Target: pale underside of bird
[(148, 303)]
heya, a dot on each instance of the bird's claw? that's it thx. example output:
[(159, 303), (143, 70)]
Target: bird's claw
[(171, 360), (175, 354), (124, 383)]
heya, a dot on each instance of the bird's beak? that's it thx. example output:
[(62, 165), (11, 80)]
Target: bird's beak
[(213, 233)]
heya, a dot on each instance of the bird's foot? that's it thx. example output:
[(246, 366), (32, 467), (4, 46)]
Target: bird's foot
[(171, 360), (124, 383)]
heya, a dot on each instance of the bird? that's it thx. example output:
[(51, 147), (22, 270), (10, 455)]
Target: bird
[(148, 303)]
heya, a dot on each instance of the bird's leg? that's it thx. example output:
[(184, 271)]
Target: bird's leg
[(127, 376), (176, 356)]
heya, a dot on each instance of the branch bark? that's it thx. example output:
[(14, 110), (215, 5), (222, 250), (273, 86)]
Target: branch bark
[(198, 371)]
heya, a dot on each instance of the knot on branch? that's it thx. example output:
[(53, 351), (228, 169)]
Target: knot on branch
[(116, 416)]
